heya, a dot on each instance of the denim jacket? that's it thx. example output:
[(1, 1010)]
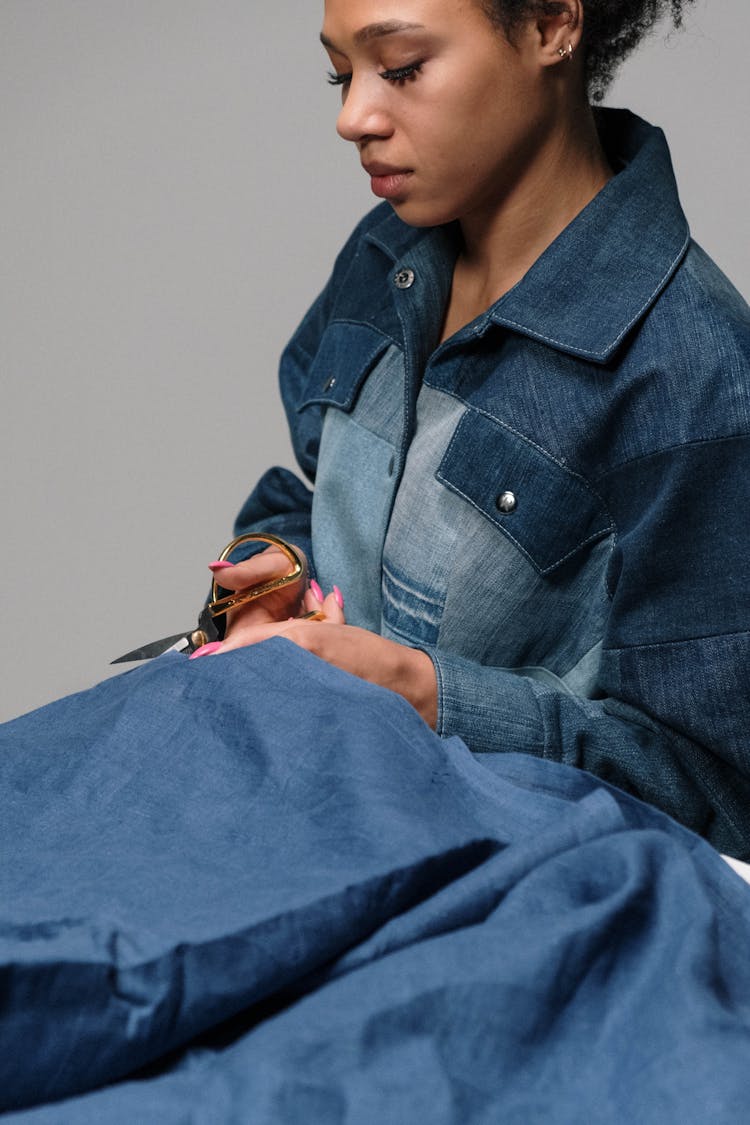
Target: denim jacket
[(554, 502)]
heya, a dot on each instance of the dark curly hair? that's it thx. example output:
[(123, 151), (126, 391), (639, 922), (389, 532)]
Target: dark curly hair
[(612, 28)]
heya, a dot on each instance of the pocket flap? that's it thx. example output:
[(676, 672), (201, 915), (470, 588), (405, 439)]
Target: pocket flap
[(345, 357), (551, 511)]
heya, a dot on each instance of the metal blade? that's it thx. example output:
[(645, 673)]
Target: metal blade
[(155, 648)]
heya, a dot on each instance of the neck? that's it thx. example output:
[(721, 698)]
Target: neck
[(503, 239)]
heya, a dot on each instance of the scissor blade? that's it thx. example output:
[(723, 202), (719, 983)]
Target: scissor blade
[(155, 648)]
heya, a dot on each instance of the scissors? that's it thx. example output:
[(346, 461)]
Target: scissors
[(206, 629)]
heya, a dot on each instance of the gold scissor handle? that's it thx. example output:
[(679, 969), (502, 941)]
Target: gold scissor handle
[(217, 606)]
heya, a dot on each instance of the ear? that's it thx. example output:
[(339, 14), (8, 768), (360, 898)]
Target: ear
[(559, 36)]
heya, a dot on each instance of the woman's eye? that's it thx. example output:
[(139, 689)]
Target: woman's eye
[(339, 79), (401, 73), (394, 74)]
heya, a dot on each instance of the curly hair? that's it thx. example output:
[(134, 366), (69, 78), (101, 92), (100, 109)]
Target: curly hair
[(612, 29)]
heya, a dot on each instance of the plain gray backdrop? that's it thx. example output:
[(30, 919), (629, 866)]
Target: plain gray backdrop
[(172, 195)]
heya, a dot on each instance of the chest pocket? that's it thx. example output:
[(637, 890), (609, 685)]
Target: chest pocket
[(346, 355), (546, 510)]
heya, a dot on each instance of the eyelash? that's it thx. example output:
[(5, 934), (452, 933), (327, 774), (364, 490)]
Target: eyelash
[(395, 74)]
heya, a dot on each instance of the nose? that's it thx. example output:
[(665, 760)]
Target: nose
[(363, 114)]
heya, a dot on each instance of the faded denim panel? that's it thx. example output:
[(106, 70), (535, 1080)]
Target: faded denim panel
[(355, 483)]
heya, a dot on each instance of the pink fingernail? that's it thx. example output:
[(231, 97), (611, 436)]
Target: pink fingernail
[(316, 591), (339, 597), (220, 564), (206, 650)]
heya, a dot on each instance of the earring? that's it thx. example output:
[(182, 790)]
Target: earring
[(566, 53)]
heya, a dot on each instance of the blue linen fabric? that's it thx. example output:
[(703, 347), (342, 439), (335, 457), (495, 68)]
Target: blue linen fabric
[(217, 906), (603, 621)]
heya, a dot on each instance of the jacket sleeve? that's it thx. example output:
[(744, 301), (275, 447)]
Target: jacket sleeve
[(669, 720)]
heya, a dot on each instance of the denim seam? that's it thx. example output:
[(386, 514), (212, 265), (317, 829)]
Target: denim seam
[(440, 726), (693, 443), (349, 414), (682, 641), (541, 570)]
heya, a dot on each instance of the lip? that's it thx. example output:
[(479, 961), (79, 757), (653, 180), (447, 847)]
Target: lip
[(386, 181)]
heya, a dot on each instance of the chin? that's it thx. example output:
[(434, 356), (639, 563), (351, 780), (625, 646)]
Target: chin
[(421, 214)]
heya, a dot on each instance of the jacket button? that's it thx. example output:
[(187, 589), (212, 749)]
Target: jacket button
[(404, 279), (506, 502), (329, 384)]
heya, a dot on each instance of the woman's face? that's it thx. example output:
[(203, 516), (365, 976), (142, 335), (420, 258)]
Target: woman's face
[(447, 115)]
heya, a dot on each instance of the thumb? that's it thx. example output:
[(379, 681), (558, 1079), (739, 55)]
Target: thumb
[(262, 567)]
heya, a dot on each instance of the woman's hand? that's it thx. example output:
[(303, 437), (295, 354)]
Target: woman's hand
[(408, 671), (288, 601)]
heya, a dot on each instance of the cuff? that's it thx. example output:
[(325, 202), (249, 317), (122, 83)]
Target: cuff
[(491, 709)]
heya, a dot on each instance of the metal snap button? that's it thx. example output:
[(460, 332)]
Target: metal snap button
[(404, 279), (506, 502), (329, 384)]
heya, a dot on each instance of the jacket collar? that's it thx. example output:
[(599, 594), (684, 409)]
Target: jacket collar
[(601, 275)]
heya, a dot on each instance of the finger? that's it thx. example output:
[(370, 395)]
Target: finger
[(263, 567), (333, 608), (313, 598)]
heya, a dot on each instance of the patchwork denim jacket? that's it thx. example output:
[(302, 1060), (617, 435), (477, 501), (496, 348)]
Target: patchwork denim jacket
[(554, 503)]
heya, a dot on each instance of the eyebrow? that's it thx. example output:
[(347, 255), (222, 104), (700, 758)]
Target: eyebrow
[(375, 31)]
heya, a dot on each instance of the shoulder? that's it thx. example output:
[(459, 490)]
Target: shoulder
[(721, 314), (680, 378), (699, 326)]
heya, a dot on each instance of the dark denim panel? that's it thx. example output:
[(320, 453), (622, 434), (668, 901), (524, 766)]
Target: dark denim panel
[(680, 567), (698, 688), (682, 378), (345, 357), (556, 513)]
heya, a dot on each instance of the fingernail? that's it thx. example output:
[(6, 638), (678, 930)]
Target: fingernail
[(220, 565), (339, 597), (206, 650), (316, 591)]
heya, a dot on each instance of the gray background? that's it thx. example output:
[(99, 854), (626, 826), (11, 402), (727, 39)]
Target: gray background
[(172, 194)]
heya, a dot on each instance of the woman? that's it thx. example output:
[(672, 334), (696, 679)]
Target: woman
[(523, 402), (523, 399)]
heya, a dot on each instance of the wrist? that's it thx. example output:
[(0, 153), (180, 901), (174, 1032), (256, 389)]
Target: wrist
[(422, 686)]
